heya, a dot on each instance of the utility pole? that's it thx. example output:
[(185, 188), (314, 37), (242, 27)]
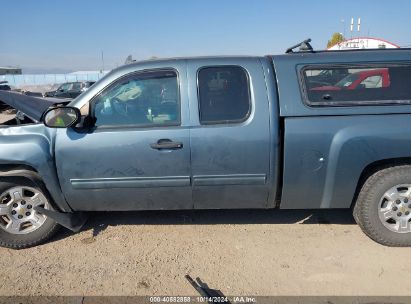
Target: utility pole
[(358, 29), (352, 26)]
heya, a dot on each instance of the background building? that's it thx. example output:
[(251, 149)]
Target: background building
[(10, 71), (363, 43)]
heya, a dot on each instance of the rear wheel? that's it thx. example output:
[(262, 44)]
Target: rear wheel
[(20, 225), (383, 208)]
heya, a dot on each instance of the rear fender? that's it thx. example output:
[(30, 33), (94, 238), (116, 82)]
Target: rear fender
[(324, 157)]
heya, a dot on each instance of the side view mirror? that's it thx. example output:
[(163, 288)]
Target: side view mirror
[(61, 117)]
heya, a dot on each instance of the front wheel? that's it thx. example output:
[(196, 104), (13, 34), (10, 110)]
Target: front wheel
[(383, 207), (20, 225)]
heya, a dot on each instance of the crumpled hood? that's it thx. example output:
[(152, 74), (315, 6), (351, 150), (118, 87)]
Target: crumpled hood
[(33, 107)]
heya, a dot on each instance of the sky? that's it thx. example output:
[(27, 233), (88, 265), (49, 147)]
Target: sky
[(71, 35)]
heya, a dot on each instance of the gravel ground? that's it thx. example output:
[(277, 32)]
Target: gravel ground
[(4, 116), (242, 252)]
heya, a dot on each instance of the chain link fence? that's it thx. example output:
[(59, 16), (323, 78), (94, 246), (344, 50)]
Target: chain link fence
[(19, 81)]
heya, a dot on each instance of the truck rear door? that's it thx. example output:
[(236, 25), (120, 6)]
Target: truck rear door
[(230, 134)]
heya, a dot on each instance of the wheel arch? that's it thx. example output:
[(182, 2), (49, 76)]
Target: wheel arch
[(12, 167), (374, 167), (30, 173)]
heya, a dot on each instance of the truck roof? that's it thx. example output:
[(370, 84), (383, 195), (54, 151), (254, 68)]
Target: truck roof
[(320, 56), (164, 62), (305, 54), (366, 55)]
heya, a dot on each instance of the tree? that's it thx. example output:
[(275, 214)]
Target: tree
[(335, 38)]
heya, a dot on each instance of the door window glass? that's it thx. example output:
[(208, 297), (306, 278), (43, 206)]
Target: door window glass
[(149, 99), (224, 95)]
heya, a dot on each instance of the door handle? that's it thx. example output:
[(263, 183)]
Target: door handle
[(166, 144)]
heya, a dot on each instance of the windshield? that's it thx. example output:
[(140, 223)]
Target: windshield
[(65, 87)]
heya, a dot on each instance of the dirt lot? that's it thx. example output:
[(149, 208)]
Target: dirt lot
[(5, 116), (239, 252)]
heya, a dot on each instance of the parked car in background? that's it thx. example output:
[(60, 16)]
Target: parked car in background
[(4, 87), (364, 79), (70, 89), (326, 77)]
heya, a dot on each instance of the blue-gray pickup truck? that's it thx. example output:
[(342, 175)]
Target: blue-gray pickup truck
[(303, 130)]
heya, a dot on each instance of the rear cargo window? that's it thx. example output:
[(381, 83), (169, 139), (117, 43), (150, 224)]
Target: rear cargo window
[(357, 85), (224, 94)]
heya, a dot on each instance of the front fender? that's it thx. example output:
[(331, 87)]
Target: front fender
[(33, 146)]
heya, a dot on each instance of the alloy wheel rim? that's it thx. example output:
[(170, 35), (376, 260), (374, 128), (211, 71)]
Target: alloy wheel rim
[(395, 209), (17, 214)]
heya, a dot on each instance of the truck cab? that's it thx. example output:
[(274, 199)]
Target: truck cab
[(177, 134)]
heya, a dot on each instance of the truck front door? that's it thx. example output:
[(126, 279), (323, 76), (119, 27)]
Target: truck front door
[(137, 157), (230, 137)]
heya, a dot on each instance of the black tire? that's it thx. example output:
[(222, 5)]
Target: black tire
[(366, 209), (36, 237)]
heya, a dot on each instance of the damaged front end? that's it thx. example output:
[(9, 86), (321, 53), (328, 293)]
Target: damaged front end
[(12, 117), (20, 109), (27, 151)]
